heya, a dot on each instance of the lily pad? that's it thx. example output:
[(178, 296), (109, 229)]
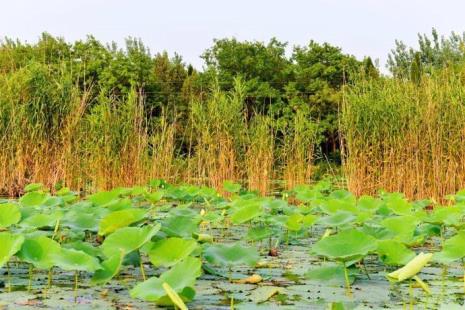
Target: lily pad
[(453, 249), (231, 254), (9, 214), (128, 239), (168, 252), (39, 251), (345, 246), (394, 253), (181, 276), (119, 219), (9, 245), (110, 268), (72, 260)]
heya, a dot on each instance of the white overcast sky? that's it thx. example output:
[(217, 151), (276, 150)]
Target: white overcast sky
[(360, 27)]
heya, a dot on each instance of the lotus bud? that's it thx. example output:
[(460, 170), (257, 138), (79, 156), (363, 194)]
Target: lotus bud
[(412, 268)]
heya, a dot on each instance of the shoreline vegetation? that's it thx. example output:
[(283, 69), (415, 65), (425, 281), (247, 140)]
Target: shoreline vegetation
[(93, 117)]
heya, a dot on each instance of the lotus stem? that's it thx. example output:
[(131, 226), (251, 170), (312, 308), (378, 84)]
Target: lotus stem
[(410, 293), (50, 275), (346, 277), (76, 278), (232, 303), (29, 287), (55, 231), (463, 275), (142, 271), (8, 276)]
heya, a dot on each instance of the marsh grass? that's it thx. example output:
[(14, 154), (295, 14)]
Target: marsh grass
[(406, 136), (54, 132)]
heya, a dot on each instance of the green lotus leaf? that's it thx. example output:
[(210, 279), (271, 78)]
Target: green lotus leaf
[(402, 226), (450, 216), (180, 226), (110, 268), (294, 222), (231, 187), (332, 206), (345, 246), (398, 204), (10, 244), (74, 260), (42, 220), (84, 247), (394, 253), (155, 196), (330, 274), (119, 219), (33, 187), (9, 214), (128, 239), (231, 254), (39, 251), (181, 276), (33, 199), (452, 250), (247, 212), (369, 203), (79, 220), (102, 199), (339, 218), (168, 252), (259, 233), (309, 220)]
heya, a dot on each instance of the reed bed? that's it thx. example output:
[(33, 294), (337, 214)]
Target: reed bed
[(54, 132), (406, 136)]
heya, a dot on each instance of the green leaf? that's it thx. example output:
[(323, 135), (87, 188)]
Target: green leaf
[(119, 219), (110, 268), (345, 246), (294, 222), (33, 199), (231, 187), (168, 252), (394, 253), (179, 277), (39, 251), (247, 212), (9, 215), (402, 226), (128, 239), (180, 226), (330, 274), (339, 218), (33, 187), (231, 254), (452, 250), (42, 220), (71, 260), (104, 199), (9, 245)]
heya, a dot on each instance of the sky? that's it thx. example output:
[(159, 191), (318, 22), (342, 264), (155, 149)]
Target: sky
[(188, 27)]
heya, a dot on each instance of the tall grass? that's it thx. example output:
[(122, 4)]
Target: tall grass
[(53, 131), (217, 128), (406, 136)]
